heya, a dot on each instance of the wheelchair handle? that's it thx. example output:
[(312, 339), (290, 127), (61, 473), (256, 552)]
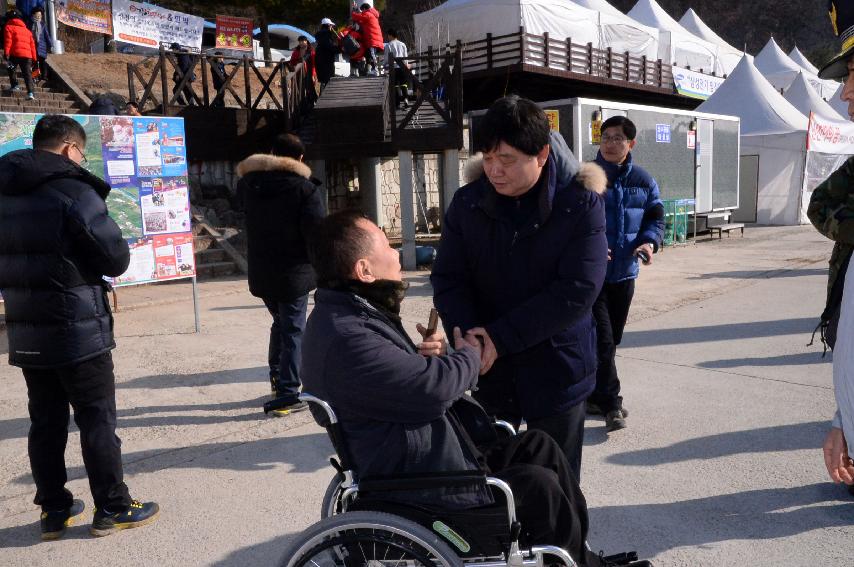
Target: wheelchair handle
[(308, 398)]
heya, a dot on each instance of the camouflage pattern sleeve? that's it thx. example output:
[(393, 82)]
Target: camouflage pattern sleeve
[(831, 208)]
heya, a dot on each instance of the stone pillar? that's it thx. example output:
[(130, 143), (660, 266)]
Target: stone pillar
[(318, 170), (370, 188), (450, 177), (407, 210)]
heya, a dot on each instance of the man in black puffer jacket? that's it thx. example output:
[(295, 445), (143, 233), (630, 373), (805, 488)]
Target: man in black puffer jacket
[(56, 244), (282, 205)]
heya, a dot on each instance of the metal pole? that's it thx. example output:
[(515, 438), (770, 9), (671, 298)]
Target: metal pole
[(196, 306), (407, 210), (58, 47)]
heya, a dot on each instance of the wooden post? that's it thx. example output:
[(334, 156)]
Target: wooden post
[(610, 63), (589, 57), (247, 85), (546, 46), (658, 73), (131, 85), (286, 99), (489, 51), (643, 62), (407, 210), (450, 177), (522, 43), (206, 99), (628, 63), (163, 82), (370, 188)]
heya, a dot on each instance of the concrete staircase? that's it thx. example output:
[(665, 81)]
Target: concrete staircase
[(215, 257), (47, 101)]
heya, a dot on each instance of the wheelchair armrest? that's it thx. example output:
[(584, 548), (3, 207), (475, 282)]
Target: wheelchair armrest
[(421, 481)]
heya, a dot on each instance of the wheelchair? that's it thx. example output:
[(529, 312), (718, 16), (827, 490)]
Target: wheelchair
[(359, 527)]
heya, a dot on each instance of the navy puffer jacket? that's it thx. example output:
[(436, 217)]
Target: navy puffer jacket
[(634, 216), (56, 244), (531, 285)]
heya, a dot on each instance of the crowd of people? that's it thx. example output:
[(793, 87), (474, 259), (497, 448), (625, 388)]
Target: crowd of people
[(533, 281)]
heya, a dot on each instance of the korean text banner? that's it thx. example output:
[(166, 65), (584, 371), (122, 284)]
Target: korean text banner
[(694, 84), (90, 15), (830, 136), (145, 162), (234, 33), (150, 26)]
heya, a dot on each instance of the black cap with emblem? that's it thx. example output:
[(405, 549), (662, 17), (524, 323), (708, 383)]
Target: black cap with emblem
[(841, 14)]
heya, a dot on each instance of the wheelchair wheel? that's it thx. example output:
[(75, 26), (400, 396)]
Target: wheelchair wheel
[(368, 539), (332, 497)]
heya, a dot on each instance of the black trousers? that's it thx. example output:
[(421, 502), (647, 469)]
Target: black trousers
[(90, 388), (611, 311), (26, 66), (549, 502), (284, 353)]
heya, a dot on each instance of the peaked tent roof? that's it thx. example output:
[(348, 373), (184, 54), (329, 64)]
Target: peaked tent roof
[(677, 44), (729, 56), (776, 66), (806, 100), (763, 110), (799, 58), (621, 32)]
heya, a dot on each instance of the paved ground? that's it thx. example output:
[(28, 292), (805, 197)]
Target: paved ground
[(720, 465)]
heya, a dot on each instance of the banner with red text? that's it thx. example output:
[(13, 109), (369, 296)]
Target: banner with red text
[(830, 136), (90, 15)]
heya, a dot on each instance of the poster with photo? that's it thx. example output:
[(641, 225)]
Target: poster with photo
[(145, 162)]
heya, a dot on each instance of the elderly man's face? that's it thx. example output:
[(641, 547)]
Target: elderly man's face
[(383, 261), (847, 94), (512, 172)]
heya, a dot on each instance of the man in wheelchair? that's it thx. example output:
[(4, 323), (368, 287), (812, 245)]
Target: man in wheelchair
[(403, 407)]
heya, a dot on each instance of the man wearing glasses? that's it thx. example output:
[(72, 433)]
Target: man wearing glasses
[(56, 245), (634, 223)]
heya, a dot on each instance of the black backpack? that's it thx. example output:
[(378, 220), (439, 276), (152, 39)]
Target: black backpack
[(829, 323), (350, 46)]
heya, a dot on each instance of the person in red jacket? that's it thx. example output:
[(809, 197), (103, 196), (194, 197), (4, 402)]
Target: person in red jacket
[(355, 50), (369, 20), (20, 51)]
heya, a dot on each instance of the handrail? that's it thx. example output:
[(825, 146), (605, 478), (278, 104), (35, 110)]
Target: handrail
[(525, 48), (283, 88)]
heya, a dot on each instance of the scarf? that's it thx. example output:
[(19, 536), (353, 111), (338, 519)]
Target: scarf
[(385, 295)]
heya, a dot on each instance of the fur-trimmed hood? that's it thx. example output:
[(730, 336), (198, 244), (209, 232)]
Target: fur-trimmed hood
[(590, 175), (267, 162)]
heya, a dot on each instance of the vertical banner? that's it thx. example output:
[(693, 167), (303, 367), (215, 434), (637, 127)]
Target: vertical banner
[(234, 33), (145, 162), (554, 120), (151, 26), (90, 15)]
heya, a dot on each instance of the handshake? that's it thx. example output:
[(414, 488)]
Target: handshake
[(434, 343)]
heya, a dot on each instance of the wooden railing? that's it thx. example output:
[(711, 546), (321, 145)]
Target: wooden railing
[(501, 51), (437, 82), (274, 86)]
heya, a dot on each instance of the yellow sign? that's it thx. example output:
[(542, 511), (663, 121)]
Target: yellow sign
[(554, 120), (596, 132)]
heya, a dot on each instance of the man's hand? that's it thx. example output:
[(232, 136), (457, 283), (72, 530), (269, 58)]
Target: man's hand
[(839, 465), (434, 345), (648, 250), (489, 354), (469, 341)]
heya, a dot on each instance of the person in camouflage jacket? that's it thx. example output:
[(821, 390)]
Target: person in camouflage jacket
[(831, 212)]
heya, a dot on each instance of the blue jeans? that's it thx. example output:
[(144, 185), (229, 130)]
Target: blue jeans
[(285, 351)]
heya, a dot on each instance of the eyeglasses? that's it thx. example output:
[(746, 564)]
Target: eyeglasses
[(614, 139), (76, 147)]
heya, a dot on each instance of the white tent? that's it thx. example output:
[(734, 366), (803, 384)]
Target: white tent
[(799, 58), (837, 103), (728, 56), (773, 130), (804, 97), (781, 70), (676, 45), (622, 33), (471, 20)]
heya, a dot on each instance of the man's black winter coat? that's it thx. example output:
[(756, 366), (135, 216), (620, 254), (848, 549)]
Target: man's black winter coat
[(282, 206), (56, 244)]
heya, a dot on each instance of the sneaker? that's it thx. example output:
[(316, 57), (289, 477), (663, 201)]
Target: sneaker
[(31, 96), (54, 522), (596, 409), (615, 420), (15, 89), (289, 409), (136, 515)]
